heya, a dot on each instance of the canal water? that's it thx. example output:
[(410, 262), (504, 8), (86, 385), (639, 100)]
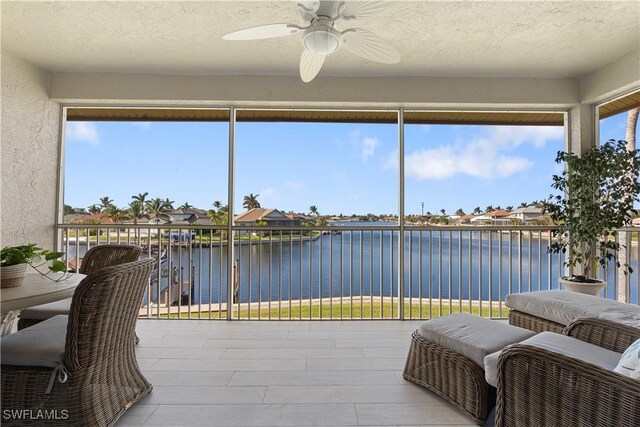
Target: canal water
[(441, 264)]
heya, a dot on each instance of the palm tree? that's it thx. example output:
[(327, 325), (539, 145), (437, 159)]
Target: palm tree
[(460, 212), (220, 217), (488, 208), (185, 206), (443, 212), (135, 211), (116, 214), (508, 208), (217, 204), (105, 203), (158, 208), (251, 201), (93, 209), (141, 198), (313, 210), (630, 137), (523, 205), (477, 210), (168, 204), (631, 129)]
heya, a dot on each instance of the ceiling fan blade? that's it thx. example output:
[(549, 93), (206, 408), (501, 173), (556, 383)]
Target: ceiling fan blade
[(362, 9), (370, 46), (310, 65), (308, 9), (263, 32)]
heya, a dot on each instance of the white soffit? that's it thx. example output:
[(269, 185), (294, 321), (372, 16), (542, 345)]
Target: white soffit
[(543, 39)]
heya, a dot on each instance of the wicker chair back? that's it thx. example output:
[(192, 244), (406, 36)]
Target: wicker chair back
[(103, 315), (101, 256)]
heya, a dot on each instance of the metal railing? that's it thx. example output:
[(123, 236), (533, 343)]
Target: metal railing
[(346, 272)]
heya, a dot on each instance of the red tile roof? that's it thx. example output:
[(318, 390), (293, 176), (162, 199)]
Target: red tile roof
[(101, 217)]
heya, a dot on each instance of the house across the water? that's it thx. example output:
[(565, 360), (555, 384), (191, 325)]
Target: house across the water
[(270, 217)]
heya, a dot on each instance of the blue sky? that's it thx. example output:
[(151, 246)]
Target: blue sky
[(340, 168)]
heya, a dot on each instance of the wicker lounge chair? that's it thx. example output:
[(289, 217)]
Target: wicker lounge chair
[(446, 356), (533, 323), (539, 387), (96, 258), (552, 310), (96, 376)]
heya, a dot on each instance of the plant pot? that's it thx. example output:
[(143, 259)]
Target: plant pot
[(12, 275), (589, 288)]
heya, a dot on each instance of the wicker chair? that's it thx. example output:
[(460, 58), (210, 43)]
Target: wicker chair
[(96, 258), (453, 376), (533, 323), (539, 387), (102, 375)]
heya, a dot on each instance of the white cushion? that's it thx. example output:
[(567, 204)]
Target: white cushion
[(575, 348), (564, 307), (472, 336), (629, 364), (557, 343), (38, 345), (491, 368), (47, 311)]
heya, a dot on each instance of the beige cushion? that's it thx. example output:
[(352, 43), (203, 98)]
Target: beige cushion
[(47, 311), (558, 343), (472, 336), (564, 307), (491, 368), (38, 345)]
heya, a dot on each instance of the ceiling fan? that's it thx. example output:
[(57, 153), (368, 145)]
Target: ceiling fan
[(320, 39)]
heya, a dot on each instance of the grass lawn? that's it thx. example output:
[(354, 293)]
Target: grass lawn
[(367, 311)]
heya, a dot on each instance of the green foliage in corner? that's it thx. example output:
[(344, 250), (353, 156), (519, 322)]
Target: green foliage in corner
[(598, 191)]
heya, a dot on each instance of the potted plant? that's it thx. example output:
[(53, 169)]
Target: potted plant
[(598, 191), (14, 261)]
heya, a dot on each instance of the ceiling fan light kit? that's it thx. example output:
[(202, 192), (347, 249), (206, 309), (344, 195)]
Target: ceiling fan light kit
[(320, 39)]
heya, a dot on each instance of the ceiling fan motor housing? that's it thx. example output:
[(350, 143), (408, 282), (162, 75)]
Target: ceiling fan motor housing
[(322, 39)]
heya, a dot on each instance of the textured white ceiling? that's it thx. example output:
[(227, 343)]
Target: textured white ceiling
[(435, 38)]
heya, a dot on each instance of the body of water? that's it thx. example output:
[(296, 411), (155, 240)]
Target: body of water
[(438, 264)]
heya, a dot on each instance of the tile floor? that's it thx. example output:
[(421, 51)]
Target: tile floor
[(282, 373)]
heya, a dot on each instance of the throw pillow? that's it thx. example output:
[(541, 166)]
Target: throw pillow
[(629, 364)]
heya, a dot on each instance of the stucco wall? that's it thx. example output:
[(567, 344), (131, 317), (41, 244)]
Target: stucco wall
[(30, 128)]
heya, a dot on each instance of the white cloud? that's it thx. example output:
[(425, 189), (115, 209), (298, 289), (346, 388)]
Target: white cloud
[(512, 136), (506, 166), (368, 148), (82, 132), (481, 156), (366, 145), (445, 162)]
